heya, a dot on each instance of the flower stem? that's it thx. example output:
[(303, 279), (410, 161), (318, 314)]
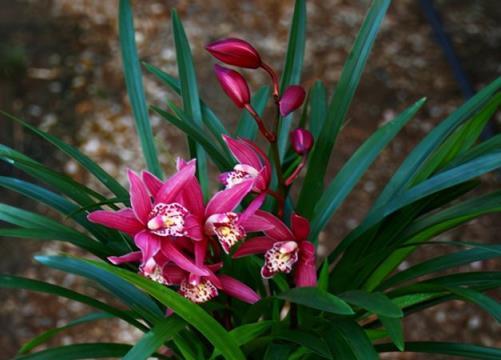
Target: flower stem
[(274, 79), (271, 137)]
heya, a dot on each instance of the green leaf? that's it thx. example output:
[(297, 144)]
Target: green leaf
[(452, 349), (443, 262), (55, 201), (63, 183), (189, 94), (347, 340), (209, 118), (197, 134), (125, 292), (429, 226), (15, 282), (485, 302), (134, 82), (317, 299), (191, 313), (152, 340), (106, 179), (247, 127), (277, 352), (313, 184), (293, 65), (318, 108), (414, 161), (246, 333), (378, 303), (82, 351), (49, 334), (323, 278), (306, 339), (394, 329), (355, 167)]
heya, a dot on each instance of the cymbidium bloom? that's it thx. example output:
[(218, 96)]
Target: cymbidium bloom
[(252, 164), (155, 220), (284, 249), (301, 141)]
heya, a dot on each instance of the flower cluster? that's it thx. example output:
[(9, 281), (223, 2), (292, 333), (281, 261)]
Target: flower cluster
[(182, 240)]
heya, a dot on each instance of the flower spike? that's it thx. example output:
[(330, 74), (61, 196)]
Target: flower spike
[(234, 85), (236, 52)]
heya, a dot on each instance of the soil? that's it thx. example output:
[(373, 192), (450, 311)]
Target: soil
[(60, 69)]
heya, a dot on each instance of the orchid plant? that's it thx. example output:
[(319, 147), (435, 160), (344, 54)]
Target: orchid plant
[(231, 270)]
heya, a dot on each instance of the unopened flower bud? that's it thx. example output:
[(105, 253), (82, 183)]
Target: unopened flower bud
[(234, 85), (291, 99), (301, 141), (235, 52)]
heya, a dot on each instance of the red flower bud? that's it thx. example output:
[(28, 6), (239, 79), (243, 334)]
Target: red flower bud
[(234, 85), (235, 52), (301, 140), (291, 99)]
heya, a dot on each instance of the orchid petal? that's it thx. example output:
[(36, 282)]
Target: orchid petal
[(152, 182), (280, 231), (255, 223), (227, 200), (243, 152), (177, 257), (173, 274), (148, 244), (134, 256), (192, 197), (252, 208), (238, 290), (123, 220), (306, 272), (139, 197), (175, 183), (193, 228), (257, 245), (300, 227)]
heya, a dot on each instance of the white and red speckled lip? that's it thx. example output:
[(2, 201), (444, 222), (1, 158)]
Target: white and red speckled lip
[(167, 219)]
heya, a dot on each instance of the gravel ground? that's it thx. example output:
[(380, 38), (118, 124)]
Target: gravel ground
[(63, 73)]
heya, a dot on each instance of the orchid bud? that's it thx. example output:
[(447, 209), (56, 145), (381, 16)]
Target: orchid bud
[(235, 52), (234, 85), (301, 140), (291, 99)]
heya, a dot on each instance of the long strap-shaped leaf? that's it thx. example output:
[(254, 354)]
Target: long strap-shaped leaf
[(189, 93), (191, 313), (354, 168), (196, 133), (105, 178), (82, 351), (49, 334), (134, 82), (413, 162), (345, 90), (125, 292), (153, 339), (16, 282), (293, 65), (348, 341), (452, 349)]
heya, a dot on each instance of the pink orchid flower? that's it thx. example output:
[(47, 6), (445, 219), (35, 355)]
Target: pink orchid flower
[(284, 249), (198, 289), (252, 164), (155, 224), (218, 218)]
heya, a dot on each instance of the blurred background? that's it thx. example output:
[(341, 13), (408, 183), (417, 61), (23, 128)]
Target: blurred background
[(60, 69)]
